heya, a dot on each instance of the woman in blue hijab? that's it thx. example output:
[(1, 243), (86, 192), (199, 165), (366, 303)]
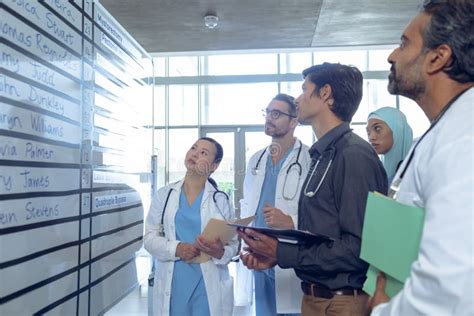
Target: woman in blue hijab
[(391, 136)]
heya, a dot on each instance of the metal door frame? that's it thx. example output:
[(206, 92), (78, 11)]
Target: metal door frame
[(239, 150)]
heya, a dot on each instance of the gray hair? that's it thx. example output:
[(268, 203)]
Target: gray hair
[(452, 23)]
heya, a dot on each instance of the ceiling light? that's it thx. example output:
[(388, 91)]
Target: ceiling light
[(211, 21)]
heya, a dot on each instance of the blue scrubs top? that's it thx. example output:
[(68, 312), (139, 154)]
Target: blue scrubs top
[(188, 291), (265, 300)]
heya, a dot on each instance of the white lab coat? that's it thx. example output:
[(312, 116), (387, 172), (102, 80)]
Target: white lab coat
[(287, 284), (218, 282), (440, 179)]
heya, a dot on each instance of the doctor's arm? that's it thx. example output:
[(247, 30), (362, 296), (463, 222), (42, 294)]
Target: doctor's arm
[(276, 218), (214, 247), (246, 207), (230, 250), (160, 247), (440, 281)]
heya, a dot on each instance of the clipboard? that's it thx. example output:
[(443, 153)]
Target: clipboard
[(221, 229), (289, 235)]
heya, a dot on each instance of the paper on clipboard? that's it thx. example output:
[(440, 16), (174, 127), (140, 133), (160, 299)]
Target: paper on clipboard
[(219, 228)]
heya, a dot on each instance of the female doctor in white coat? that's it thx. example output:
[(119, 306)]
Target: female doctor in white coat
[(288, 187), (174, 223)]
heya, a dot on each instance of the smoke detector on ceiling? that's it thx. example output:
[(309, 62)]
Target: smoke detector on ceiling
[(211, 21)]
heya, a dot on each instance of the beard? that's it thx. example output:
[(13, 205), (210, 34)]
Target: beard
[(272, 131), (409, 83)]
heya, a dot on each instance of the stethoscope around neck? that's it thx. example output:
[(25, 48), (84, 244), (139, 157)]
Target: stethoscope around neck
[(331, 151), (296, 164), (161, 228)]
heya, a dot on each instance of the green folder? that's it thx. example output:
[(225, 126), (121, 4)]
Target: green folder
[(392, 286), (390, 240)]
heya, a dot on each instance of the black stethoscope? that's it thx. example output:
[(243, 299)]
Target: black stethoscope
[(293, 165), (161, 227), (332, 153)]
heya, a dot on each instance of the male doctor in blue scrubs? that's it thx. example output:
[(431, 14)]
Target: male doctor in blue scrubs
[(271, 191)]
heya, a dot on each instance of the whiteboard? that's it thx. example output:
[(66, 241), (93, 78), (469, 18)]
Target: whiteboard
[(75, 104)]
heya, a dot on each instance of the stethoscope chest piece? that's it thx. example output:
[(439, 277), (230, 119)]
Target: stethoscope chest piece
[(310, 194), (316, 172), (161, 230)]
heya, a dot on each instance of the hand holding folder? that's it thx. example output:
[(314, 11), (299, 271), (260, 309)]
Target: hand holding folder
[(217, 228), (390, 241)]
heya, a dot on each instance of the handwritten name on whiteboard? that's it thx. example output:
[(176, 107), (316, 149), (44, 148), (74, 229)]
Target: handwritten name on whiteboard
[(18, 149), (49, 22), (31, 123), (41, 73), (37, 209), (35, 179), (67, 11), (26, 93), (19, 33)]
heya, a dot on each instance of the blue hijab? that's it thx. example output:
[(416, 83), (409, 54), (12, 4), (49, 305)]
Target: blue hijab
[(402, 138)]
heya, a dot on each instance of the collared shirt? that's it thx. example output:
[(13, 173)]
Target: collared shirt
[(337, 210)]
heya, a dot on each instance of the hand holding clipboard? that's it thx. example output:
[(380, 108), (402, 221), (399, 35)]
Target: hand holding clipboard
[(288, 235)]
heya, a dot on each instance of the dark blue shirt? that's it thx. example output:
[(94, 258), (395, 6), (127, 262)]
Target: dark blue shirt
[(337, 210)]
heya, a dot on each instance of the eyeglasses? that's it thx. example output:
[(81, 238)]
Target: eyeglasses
[(274, 114)]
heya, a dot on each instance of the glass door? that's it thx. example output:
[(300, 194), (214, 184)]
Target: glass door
[(239, 144)]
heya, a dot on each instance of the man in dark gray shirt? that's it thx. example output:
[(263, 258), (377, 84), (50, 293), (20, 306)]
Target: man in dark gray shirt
[(344, 169)]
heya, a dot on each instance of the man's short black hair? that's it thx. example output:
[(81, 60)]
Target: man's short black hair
[(346, 85)]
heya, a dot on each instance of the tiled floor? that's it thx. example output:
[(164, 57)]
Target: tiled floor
[(136, 303)]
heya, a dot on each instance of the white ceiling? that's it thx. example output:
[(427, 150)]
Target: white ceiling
[(178, 25)]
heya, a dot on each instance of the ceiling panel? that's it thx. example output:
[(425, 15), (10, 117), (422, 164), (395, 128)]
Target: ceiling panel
[(362, 22), (178, 25)]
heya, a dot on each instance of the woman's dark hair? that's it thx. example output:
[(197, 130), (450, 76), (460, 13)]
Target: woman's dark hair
[(219, 149), (213, 183), (346, 86), (452, 23)]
